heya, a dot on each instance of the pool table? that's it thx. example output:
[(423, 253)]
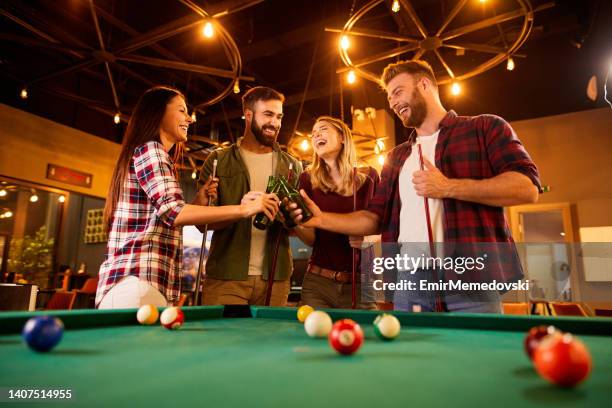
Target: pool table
[(258, 356)]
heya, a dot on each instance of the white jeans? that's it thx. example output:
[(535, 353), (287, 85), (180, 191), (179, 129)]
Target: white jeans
[(131, 293)]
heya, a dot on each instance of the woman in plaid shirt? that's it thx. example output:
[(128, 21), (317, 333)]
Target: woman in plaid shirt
[(145, 209)]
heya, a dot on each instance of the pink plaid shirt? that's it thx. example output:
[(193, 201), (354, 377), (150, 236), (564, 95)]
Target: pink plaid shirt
[(143, 241)]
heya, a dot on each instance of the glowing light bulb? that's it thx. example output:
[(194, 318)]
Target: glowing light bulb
[(194, 117), (304, 145), (208, 30), (344, 42), (381, 159), (194, 174), (236, 87), (33, 198), (351, 77), (3, 193), (117, 118), (510, 64), (24, 93), (395, 7), (379, 146), (456, 88), (61, 199), (7, 214)]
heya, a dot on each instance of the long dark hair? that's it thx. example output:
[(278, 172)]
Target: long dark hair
[(143, 127)]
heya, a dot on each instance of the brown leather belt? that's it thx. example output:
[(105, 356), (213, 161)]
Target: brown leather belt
[(337, 276)]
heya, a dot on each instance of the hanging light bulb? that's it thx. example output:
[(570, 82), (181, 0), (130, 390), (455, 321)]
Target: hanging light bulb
[(351, 77), (510, 64), (117, 118), (344, 42), (456, 88), (194, 174), (3, 193), (379, 146), (304, 145), (61, 199), (24, 93), (33, 198), (208, 30), (381, 159), (236, 87), (194, 117), (395, 7)]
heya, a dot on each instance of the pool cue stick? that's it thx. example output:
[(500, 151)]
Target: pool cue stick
[(354, 272), (272, 272), (197, 299), (432, 247)]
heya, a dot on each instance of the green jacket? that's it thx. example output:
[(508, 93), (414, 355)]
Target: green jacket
[(230, 247)]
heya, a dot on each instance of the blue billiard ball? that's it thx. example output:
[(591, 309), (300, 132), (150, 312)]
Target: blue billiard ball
[(42, 333)]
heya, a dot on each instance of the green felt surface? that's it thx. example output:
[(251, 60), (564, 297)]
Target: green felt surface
[(269, 361)]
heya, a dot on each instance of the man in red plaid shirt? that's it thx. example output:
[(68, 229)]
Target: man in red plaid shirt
[(467, 168)]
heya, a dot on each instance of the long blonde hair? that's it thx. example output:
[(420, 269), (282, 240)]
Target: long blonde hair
[(319, 171)]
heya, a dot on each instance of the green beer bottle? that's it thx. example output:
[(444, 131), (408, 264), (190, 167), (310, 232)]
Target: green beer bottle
[(261, 221), (293, 195)]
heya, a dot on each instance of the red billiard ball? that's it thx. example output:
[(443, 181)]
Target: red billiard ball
[(346, 336), (534, 336), (562, 359), (172, 318)]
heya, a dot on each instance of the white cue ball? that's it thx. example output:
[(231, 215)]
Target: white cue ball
[(318, 324)]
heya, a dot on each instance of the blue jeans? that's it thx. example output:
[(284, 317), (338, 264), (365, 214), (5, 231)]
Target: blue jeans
[(456, 301)]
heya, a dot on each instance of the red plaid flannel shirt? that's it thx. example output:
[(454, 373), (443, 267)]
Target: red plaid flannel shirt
[(143, 241), (478, 147)]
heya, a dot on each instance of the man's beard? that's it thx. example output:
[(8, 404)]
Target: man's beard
[(418, 111), (261, 137)]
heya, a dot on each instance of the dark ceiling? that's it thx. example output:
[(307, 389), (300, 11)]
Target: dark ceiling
[(52, 48)]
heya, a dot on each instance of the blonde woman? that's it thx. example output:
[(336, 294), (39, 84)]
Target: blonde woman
[(329, 182)]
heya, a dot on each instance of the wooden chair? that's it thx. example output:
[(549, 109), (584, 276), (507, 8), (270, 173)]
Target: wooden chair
[(515, 308), (61, 301), (567, 309), (90, 286)]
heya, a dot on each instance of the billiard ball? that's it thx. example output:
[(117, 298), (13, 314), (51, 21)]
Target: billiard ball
[(318, 324), (387, 326), (534, 336), (562, 359), (303, 312), (346, 336), (42, 333), (147, 314), (172, 318)]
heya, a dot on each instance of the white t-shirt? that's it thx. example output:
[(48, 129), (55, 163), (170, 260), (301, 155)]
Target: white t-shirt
[(413, 222), (260, 167)]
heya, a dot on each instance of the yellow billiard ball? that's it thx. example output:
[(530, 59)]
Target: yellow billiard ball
[(303, 312), (147, 314)]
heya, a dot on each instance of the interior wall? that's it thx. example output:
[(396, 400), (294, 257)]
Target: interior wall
[(30, 143), (573, 153)]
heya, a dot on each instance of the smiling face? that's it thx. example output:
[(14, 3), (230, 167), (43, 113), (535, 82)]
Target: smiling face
[(176, 121), (406, 100), (327, 141), (265, 120)]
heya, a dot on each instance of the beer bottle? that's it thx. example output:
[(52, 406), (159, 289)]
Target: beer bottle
[(293, 195), (261, 221)]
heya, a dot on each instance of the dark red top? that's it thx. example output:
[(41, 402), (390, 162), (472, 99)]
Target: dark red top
[(332, 250)]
